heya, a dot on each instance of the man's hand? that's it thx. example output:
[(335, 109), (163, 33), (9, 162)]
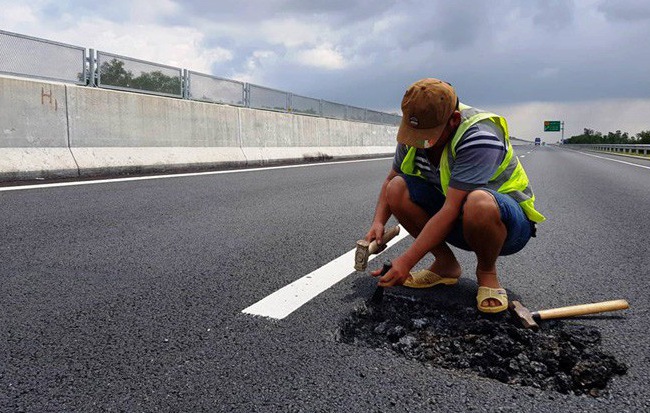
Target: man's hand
[(376, 232), (396, 276)]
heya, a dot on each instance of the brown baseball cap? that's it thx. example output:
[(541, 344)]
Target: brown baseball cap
[(426, 108)]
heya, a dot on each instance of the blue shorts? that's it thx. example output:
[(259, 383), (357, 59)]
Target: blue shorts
[(429, 197)]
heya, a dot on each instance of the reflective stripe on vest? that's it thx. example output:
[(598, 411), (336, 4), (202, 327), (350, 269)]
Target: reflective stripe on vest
[(510, 177), (408, 163)]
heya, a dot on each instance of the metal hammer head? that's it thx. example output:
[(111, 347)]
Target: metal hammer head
[(361, 256), (523, 315), (365, 248)]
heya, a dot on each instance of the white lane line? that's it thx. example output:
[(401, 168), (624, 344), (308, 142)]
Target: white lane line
[(293, 296), (522, 156), (143, 178), (614, 160)]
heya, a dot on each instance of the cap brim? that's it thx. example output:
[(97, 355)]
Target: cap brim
[(420, 138)]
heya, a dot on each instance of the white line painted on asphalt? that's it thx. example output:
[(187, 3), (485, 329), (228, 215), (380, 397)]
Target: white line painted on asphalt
[(293, 296), (144, 178), (522, 156), (615, 160)]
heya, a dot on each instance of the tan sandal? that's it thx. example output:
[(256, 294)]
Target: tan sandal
[(427, 279), (498, 294)]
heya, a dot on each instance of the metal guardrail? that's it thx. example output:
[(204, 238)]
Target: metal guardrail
[(260, 97), (638, 149), (43, 59), (33, 57), (305, 105), (214, 89), (124, 73)]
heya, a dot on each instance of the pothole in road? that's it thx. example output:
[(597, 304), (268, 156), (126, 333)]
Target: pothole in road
[(560, 356)]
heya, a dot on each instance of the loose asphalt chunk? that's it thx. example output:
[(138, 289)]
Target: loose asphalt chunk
[(561, 356)]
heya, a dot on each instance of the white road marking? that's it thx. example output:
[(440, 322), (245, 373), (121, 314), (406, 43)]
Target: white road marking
[(522, 156), (293, 296), (143, 178), (614, 160)]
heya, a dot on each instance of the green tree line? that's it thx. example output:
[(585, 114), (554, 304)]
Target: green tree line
[(618, 137), (113, 73)]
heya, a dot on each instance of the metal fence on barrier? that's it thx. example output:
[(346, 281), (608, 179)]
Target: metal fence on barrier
[(37, 58), (305, 105), (124, 73), (354, 113), (333, 110), (260, 97), (639, 149), (214, 89), (44, 59)]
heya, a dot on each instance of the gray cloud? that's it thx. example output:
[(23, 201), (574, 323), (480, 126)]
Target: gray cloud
[(455, 28), (553, 14), (366, 52), (335, 12), (625, 11), (495, 54)]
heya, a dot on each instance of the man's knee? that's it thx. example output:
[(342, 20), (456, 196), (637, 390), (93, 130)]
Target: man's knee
[(480, 209), (396, 191)]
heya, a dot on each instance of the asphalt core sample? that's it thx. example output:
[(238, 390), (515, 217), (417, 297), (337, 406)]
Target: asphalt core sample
[(563, 357)]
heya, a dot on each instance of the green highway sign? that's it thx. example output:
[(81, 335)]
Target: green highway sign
[(552, 126)]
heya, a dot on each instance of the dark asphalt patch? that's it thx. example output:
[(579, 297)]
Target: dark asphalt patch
[(562, 357)]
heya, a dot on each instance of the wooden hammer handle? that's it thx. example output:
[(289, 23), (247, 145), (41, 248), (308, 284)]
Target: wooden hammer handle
[(389, 234), (582, 309)]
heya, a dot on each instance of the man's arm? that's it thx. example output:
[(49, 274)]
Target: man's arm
[(382, 212), (433, 233)]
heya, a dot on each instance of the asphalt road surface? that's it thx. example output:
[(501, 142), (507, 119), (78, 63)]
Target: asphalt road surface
[(128, 295)]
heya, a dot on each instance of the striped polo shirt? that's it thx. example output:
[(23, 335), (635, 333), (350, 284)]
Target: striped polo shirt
[(479, 153)]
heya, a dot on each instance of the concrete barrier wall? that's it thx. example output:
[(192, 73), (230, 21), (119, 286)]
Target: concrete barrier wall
[(34, 130), (121, 132), (53, 130)]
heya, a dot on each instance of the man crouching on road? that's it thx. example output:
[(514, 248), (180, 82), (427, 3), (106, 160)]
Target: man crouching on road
[(456, 180)]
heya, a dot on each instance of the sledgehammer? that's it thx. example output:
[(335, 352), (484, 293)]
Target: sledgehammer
[(365, 248), (528, 318)]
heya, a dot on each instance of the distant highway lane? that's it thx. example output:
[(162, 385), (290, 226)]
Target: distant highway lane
[(128, 295)]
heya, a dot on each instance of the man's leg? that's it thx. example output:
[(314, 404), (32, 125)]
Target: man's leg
[(414, 218), (485, 233)]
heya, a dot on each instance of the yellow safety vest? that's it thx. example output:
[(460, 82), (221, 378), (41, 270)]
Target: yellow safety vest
[(509, 178)]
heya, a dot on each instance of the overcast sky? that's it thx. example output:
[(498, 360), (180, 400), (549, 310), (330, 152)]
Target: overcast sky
[(586, 62)]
